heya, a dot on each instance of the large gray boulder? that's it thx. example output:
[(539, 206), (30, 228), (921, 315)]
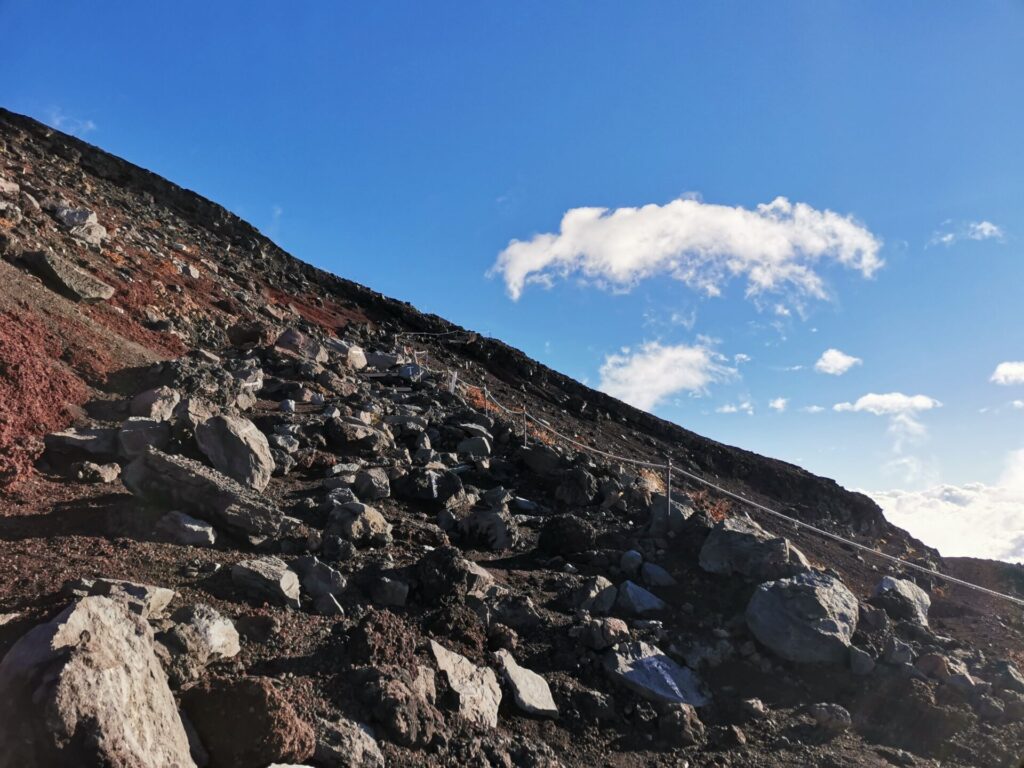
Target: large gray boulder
[(739, 545), (649, 673), (236, 447), (158, 403), (807, 618), (86, 688), (175, 481), (268, 578), (64, 277), (476, 688), (903, 599), (530, 691)]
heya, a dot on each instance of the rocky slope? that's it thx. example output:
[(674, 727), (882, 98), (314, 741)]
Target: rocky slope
[(248, 519)]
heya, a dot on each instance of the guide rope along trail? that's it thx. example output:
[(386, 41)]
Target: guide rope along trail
[(669, 468)]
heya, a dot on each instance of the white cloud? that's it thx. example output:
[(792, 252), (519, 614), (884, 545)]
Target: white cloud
[(778, 404), (1017, 405), (901, 410), (774, 247), (68, 124), (1008, 373), (972, 230), (741, 358), (973, 520), (836, 363), (812, 409), (744, 406), (646, 376)]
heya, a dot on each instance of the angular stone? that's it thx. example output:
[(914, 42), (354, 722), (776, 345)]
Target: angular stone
[(655, 576), (185, 529), (649, 673), (372, 484), (602, 633), (476, 688), (66, 278), (156, 403), (596, 595), (347, 744), (636, 601), (808, 618), (92, 441), (474, 447), (300, 344), (236, 447), (494, 529), (86, 688), (739, 545), (139, 434), (361, 524), (318, 578), (145, 600), (529, 690), (89, 472), (578, 488), (199, 636), (903, 599), (163, 479), (267, 577), (352, 355)]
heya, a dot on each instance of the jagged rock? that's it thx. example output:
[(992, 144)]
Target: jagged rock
[(443, 488), (347, 744), (138, 434), (86, 688), (861, 662), (318, 578), (358, 437), (237, 448), (352, 355), (807, 618), (680, 725), (898, 652), (476, 688), (372, 484), (596, 595), (361, 524), (82, 223), (578, 488), (145, 600), (649, 673), (655, 576), (566, 534), (176, 481), (247, 722), (491, 528), (830, 717), (387, 591), (91, 441), (634, 600), (446, 576), (89, 472), (66, 278), (300, 344), (739, 545), (158, 404), (474, 447), (903, 599), (200, 635), (667, 518), (601, 633), (185, 529), (1007, 677), (402, 708), (541, 459), (269, 578), (529, 690)]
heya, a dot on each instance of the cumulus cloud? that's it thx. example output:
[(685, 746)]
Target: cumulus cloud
[(836, 363), (644, 377), (973, 520), (901, 410), (778, 404), (774, 247), (1008, 373), (743, 407), (950, 233)]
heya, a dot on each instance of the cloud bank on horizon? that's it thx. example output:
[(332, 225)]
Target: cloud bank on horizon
[(776, 247)]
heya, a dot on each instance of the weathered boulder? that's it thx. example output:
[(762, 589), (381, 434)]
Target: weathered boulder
[(86, 688), (476, 688), (90, 472), (156, 403), (185, 529), (807, 618), (347, 744), (491, 528), (145, 600), (247, 722), (474, 447), (318, 578), (566, 534), (578, 488), (352, 355), (199, 636), (67, 279), (902, 599), (529, 690), (634, 600), (88, 441), (601, 633), (269, 578), (296, 342), (739, 545), (82, 223), (175, 481), (596, 595), (137, 434), (649, 673), (236, 447), (372, 484), (360, 523)]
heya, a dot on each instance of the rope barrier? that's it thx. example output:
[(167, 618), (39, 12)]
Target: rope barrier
[(670, 468)]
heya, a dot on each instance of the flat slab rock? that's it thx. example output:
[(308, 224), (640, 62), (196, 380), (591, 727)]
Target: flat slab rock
[(477, 688), (529, 690), (648, 672), (86, 688), (66, 278), (175, 481), (268, 577)]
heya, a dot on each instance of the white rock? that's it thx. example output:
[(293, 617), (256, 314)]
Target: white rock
[(185, 529), (236, 447), (648, 672), (529, 690), (476, 688)]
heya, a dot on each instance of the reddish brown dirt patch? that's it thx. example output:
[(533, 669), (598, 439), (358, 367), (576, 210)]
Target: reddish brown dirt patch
[(36, 391)]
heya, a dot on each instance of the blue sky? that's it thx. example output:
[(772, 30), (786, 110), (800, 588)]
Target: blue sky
[(404, 145)]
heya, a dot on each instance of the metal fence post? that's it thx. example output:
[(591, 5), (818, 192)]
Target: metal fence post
[(668, 494), (486, 397), (526, 433)]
